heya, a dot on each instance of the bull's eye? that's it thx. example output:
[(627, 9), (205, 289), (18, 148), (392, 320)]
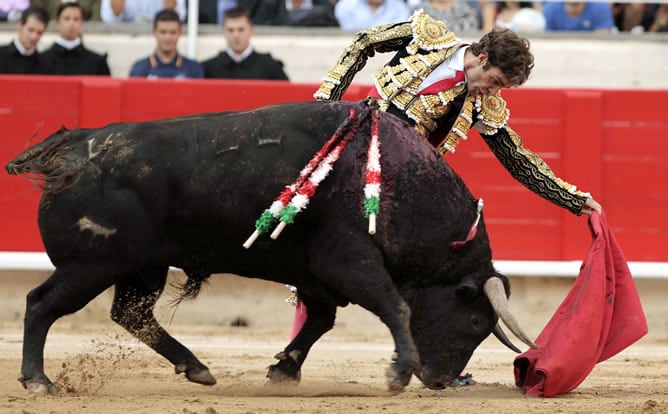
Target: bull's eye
[(475, 321)]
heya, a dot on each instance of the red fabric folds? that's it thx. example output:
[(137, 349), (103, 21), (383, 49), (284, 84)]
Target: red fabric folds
[(600, 316)]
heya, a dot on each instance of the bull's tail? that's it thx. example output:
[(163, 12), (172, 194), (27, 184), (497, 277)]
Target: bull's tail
[(45, 163), (191, 288)]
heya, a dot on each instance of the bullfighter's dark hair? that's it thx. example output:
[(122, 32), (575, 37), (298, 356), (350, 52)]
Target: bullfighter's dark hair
[(64, 5), (166, 15), (36, 12), (507, 51)]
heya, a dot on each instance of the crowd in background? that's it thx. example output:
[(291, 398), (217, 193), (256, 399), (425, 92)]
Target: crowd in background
[(68, 55), (360, 14)]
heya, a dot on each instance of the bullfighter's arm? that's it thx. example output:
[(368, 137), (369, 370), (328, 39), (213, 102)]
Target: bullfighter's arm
[(530, 170), (383, 38)]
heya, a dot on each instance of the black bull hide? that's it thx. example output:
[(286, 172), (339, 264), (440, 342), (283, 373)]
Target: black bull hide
[(123, 203)]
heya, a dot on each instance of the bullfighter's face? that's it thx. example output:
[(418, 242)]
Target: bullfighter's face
[(484, 79)]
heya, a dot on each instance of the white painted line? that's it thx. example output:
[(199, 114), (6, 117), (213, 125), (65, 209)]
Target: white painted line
[(522, 268)]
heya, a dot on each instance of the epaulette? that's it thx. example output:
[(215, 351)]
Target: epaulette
[(491, 113), (429, 34)]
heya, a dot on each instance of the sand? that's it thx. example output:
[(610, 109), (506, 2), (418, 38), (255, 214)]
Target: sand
[(102, 369)]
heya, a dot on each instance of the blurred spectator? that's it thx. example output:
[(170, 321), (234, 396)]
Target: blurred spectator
[(628, 17), (222, 6), (310, 13), (21, 55), (659, 22), (90, 8), (240, 60), (458, 15), (208, 11), (68, 56), (362, 14), (519, 16), (265, 12), (640, 17), (578, 16), (528, 19), (166, 62), (487, 13), (138, 11), (10, 10)]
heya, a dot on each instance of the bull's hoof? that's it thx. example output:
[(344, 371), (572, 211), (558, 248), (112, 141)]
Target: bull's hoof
[(43, 387), (197, 375), (276, 375), (203, 377), (397, 380), (285, 371)]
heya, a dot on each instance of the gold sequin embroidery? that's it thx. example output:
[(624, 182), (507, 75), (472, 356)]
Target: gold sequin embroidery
[(460, 128), (492, 113), (429, 33)]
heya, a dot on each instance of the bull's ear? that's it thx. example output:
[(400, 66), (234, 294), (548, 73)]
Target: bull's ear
[(467, 290)]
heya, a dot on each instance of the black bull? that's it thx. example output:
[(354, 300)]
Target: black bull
[(123, 203)]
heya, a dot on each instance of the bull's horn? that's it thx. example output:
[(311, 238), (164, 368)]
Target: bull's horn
[(497, 297), (503, 338)]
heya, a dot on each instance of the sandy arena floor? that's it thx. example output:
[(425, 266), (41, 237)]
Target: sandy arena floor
[(101, 369)]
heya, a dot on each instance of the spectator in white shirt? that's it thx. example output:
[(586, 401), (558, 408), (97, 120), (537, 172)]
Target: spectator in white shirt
[(10, 10), (362, 14), (138, 11)]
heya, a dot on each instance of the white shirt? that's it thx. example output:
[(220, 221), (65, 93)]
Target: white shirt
[(241, 56), (357, 15), (137, 11), (68, 44), (446, 70), (22, 50)]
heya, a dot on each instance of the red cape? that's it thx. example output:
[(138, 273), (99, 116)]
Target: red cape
[(600, 316)]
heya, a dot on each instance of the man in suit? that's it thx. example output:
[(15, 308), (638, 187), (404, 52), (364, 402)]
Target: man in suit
[(68, 56), (21, 55), (240, 60)]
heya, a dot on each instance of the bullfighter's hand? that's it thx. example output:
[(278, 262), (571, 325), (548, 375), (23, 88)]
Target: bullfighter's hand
[(590, 206)]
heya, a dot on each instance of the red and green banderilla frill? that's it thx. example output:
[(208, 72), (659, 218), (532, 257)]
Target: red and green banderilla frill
[(272, 214), (294, 198), (372, 176)]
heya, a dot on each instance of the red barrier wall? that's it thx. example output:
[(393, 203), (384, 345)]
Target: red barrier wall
[(613, 143)]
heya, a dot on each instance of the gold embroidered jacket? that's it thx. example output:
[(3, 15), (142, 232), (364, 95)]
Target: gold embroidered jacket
[(446, 117)]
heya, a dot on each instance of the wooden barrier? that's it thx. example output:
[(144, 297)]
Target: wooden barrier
[(613, 143)]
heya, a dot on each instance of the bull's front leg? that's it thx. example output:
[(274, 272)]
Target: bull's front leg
[(353, 266), (320, 319), (406, 359)]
